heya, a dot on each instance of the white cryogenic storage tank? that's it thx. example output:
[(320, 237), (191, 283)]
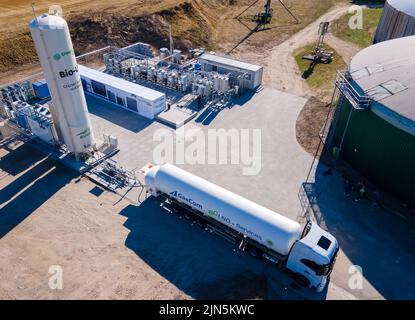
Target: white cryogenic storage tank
[(259, 223), (53, 44)]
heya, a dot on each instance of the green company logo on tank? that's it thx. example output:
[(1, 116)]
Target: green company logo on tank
[(213, 213), (84, 133), (58, 55)]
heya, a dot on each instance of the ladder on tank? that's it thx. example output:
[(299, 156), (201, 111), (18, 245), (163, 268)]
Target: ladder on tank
[(343, 91), (326, 132), (307, 194), (357, 100)]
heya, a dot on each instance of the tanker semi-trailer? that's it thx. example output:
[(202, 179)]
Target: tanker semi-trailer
[(309, 254)]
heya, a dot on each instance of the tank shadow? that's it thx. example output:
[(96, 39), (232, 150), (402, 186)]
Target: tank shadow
[(44, 180), (378, 241), (16, 160)]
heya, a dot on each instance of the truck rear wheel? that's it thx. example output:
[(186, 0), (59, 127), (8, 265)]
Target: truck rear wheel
[(201, 223), (253, 251), (187, 215), (175, 208)]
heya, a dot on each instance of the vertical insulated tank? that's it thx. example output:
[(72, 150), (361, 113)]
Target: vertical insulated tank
[(53, 44)]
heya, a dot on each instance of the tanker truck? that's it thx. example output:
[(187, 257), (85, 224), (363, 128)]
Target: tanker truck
[(308, 254)]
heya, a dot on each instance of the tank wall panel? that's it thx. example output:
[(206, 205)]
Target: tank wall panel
[(394, 24), (380, 151)]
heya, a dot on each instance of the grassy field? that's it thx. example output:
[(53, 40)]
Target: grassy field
[(361, 37), (322, 76)]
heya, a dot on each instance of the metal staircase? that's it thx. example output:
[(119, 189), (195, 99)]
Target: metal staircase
[(357, 100), (343, 90)]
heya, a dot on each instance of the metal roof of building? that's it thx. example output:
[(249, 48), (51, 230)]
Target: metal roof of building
[(386, 72), (115, 82), (229, 62), (407, 6)]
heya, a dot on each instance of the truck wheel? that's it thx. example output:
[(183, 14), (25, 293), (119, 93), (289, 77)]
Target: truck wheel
[(201, 223), (302, 280), (175, 209), (253, 252), (187, 215)]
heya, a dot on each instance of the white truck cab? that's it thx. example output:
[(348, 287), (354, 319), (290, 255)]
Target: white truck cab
[(313, 256)]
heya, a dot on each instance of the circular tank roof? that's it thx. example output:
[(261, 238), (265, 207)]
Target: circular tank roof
[(407, 6), (46, 21), (386, 72)]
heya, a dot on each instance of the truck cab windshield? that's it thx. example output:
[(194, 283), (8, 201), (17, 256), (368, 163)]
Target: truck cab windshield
[(320, 270)]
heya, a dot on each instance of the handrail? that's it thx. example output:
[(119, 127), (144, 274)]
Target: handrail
[(358, 101)]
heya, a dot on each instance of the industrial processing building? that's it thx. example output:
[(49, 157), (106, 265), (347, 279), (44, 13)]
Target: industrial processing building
[(170, 87), (250, 74), (136, 98), (398, 20), (375, 126)]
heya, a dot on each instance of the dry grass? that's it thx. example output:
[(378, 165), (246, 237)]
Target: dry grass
[(309, 123), (361, 37), (207, 23), (230, 30)]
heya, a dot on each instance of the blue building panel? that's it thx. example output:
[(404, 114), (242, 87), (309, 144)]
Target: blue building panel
[(41, 89)]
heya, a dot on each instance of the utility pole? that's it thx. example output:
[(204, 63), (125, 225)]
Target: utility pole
[(171, 40)]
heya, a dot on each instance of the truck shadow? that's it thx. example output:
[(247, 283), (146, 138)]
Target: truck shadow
[(201, 264), (377, 240)]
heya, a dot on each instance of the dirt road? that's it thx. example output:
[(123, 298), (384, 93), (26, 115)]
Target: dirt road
[(347, 49), (281, 70)]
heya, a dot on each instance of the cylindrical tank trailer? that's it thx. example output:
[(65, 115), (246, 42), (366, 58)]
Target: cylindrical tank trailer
[(308, 253)]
